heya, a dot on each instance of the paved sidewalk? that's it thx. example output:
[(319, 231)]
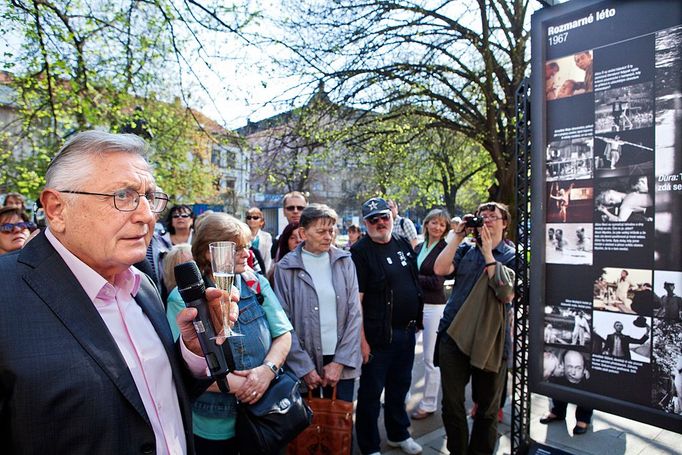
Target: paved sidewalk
[(608, 435)]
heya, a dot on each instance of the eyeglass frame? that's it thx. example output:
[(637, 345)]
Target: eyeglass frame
[(374, 219), (253, 217), (27, 225), (491, 218), (491, 206), (162, 197), (291, 208), (181, 215)]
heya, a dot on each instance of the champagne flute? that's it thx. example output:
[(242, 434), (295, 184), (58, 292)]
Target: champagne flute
[(222, 263)]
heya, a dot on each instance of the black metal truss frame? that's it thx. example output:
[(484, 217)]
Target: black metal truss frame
[(520, 418)]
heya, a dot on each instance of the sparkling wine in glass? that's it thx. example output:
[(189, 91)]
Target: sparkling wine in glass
[(222, 264)]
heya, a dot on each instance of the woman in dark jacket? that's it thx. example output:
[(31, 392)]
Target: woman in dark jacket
[(436, 226)]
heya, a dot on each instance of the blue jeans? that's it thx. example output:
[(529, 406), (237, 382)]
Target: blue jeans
[(389, 368)]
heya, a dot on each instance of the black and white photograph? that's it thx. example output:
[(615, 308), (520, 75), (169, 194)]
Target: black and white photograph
[(567, 326), (624, 290), (668, 146), (667, 289), (667, 366), (624, 154), (623, 199), (568, 76), (570, 202), (570, 159), (624, 108), (623, 336), (569, 243), (610, 146), (567, 367)]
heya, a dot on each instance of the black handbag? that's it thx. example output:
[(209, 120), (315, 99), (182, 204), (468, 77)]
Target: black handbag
[(273, 421), (268, 425)]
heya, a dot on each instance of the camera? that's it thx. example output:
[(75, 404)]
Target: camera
[(474, 222)]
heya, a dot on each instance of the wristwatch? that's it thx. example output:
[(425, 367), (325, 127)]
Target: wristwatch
[(273, 367)]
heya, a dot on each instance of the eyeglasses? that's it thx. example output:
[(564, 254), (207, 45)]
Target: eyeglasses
[(9, 227), (127, 200), (491, 218), (252, 217), (375, 219), (291, 208), (181, 215)]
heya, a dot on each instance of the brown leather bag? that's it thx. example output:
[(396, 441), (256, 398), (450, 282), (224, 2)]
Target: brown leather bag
[(331, 431)]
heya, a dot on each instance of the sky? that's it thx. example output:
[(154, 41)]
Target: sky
[(243, 83), (247, 83)]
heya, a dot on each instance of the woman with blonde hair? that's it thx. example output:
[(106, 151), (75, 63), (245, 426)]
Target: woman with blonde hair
[(260, 240), (436, 226), (258, 355), (182, 252)]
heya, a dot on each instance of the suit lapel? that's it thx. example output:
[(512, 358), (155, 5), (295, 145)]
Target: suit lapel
[(57, 287)]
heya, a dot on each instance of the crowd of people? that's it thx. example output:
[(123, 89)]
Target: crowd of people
[(118, 364)]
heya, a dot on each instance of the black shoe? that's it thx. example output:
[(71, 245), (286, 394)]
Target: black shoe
[(551, 418), (580, 430)]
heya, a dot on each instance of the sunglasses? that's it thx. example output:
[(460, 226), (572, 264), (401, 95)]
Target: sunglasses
[(291, 208), (252, 217), (181, 215), (375, 219), (9, 227)]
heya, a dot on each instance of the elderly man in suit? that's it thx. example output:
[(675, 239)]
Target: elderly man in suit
[(87, 361)]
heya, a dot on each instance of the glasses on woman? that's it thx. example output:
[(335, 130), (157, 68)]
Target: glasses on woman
[(9, 227), (127, 199), (375, 219), (252, 217), (181, 215)]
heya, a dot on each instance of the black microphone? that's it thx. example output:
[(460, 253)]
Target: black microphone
[(193, 292)]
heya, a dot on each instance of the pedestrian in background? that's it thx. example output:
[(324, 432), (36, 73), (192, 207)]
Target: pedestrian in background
[(436, 226), (318, 288), (392, 313)]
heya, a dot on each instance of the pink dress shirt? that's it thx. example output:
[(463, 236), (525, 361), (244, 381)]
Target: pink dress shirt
[(139, 345)]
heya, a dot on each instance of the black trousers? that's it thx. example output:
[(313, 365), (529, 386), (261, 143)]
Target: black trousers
[(581, 414), (456, 372)]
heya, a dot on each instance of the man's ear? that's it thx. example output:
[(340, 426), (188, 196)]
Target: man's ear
[(54, 207)]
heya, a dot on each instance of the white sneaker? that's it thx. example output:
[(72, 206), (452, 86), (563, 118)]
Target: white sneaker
[(409, 446)]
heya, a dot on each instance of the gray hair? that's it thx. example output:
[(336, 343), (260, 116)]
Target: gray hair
[(314, 212), (73, 162)]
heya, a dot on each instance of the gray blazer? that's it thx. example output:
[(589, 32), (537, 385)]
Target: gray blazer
[(64, 386), (296, 292)]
